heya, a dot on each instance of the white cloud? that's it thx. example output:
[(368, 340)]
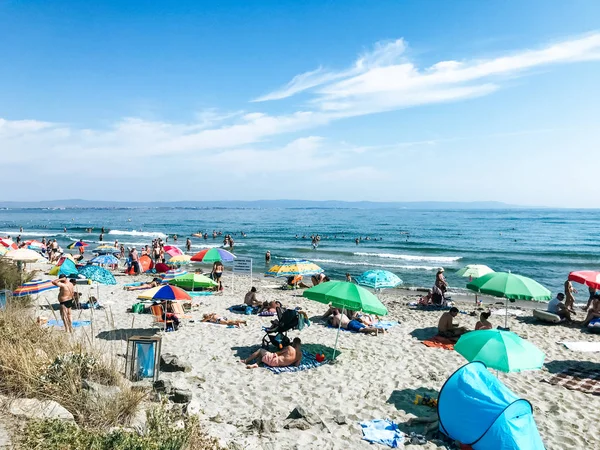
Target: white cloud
[(383, 79)]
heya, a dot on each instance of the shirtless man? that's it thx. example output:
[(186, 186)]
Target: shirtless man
[(446, 327), (250, 298), (594, 311), (65, 298), (341, 320), (289, 356)]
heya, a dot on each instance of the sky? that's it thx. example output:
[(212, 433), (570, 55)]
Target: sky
[(315, 100)]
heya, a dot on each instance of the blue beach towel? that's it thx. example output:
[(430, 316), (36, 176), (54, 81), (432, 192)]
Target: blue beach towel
[(308, 362), (139, 283), (382, 431), (200, 293), (76, 323), (385, 324)]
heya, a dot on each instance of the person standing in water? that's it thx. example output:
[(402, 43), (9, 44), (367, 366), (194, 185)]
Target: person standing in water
[(268, 257), (188, 244)]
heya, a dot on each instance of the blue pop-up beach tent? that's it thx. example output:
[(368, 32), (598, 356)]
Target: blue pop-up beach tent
[(476, 409), (68, 268)]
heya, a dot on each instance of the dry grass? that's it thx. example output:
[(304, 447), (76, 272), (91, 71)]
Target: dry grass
[(10, 277), (42, 363)]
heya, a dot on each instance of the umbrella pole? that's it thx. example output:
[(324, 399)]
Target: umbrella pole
[(338, 334), (506, 314)]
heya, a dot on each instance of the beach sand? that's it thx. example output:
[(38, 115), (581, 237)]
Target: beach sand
[(373, 378)]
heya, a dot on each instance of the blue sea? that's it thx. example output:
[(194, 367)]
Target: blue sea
[(542, 244)]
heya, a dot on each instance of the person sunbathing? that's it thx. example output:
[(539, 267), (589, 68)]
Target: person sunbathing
[(152, 284), (484, 323), (351, 314), (270, 307), (213, 318), (341, 320), (449, 330), (288, 356)]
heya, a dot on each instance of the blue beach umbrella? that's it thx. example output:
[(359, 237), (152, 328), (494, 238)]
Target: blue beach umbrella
[(98, 274), (378, 279), (105, 259)]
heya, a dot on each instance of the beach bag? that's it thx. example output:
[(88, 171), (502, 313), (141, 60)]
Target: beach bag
[(138, 308)]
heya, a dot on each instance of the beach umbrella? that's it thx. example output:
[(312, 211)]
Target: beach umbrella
[(500, 350), (105, 259), (211, 255), (173, 273), (345, 295), (193, 280), (172, 250), (293, 267), (474, 271), (106, 249), (179, 260), (378, 279), (97, 274), (588, 277), (32, 244), (3, 250), (165, 292), (33, 287), (5, 242), (77, 245), (23, 255), (510, 287)]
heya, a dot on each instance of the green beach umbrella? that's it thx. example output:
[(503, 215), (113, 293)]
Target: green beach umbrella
[(345, 295), (500, 350), (193, 280), (510, 286), (474, 271)]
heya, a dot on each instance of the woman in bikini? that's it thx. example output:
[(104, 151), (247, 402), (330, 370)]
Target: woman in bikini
[(213, 318)]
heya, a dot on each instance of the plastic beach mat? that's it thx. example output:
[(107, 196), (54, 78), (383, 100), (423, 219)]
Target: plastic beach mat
[(76, 323)]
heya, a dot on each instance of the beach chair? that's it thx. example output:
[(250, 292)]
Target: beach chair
[(157, 313), (5, 294)]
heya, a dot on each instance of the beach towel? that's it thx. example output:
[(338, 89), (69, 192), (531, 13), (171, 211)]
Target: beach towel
[(382, 431), (439, 342), (385, 324), (308, 362), (76, 323), (138, 283), (243, 309), (577, 379), (511, 312), (200, 293), (582, 346)]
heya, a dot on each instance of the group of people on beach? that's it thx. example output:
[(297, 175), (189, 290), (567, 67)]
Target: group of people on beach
[(563, 305)]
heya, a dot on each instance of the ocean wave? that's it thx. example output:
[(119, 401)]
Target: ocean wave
[(152, 234), (366, 264), (49, 233), (441, 259)]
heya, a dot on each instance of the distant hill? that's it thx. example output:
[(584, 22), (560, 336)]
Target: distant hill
[(300, 204)]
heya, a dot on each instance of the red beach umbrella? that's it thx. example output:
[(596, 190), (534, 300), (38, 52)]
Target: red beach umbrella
[(590, 278), (173, 250)]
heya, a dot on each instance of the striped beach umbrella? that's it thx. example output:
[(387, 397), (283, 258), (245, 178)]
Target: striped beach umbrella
[(173, 273), (378, 279), (3, 250), (179, 260), (292, 267), (77, 245), (33, 287), (8, 243), (192, 281), (165, 292), (32, 244), (211, 255)]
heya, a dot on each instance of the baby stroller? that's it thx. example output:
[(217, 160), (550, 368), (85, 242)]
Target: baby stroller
[(287, 319)]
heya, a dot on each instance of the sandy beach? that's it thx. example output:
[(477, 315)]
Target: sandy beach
[(373, 377)]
